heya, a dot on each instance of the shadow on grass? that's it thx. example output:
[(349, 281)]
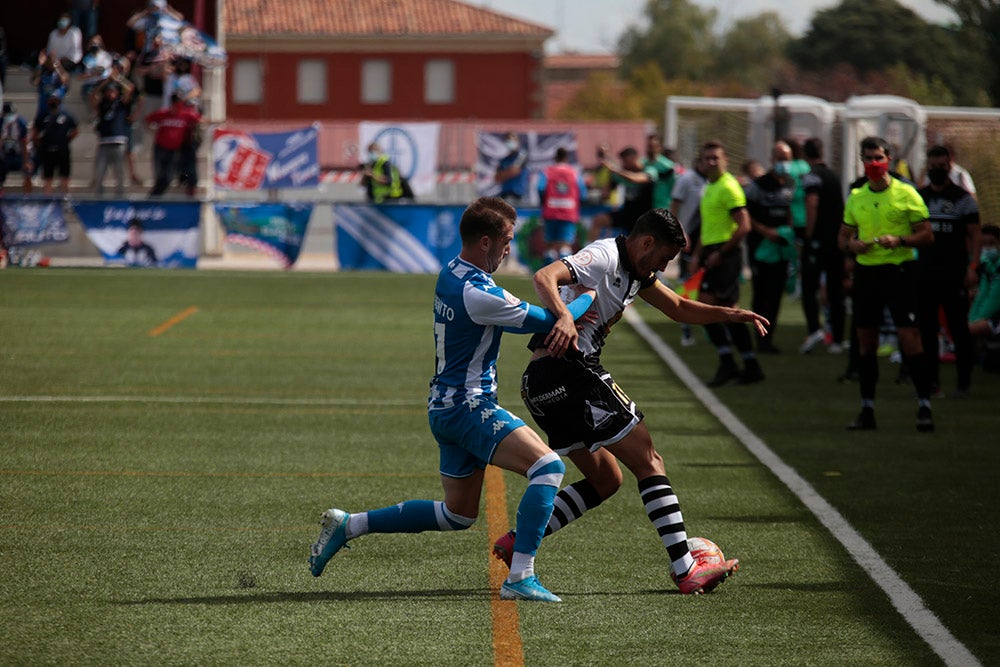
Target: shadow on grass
[(763, 519), (313, 596)]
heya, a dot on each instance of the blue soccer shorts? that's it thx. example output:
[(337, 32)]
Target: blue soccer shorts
[(560, 231), (468, 434)]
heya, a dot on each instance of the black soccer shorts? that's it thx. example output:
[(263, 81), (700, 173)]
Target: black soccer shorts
[(577, 404)]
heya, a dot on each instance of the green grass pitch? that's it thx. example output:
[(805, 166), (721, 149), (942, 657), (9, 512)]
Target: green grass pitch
[(158, 494)]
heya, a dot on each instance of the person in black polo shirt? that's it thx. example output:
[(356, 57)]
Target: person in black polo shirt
[(946, 272), (821, 256), (52, 133)]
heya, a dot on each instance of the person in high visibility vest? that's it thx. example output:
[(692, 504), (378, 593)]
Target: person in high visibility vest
[(381, 177), (560, 187)]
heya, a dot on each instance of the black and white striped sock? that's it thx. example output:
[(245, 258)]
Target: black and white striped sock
[(570, 504), (664, 511)]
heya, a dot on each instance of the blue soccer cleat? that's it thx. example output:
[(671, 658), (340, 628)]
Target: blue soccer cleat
[(527, 589), (332, 538)]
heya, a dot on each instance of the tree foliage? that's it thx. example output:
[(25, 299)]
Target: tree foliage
[(753, 50), (679, 37), (880, 35)]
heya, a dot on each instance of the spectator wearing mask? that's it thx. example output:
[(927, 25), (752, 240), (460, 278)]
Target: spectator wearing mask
[(111, 98), (49, 78), (52, 133), (96, 67), (381, 177), (16, 157), (66, 43)]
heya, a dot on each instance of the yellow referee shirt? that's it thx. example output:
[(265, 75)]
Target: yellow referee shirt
[(894, 211), (717, 203)]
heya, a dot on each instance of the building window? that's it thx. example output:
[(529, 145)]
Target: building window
[(248, 83), (312, 82), (439, 82), (376, 82)]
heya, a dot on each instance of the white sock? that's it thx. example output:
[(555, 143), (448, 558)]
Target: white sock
[(357, 525), (522, 566)]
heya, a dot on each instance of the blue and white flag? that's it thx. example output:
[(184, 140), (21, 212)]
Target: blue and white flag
[(276, 230), (163, 234), (182, 40), (265, 160), (541, 148), (32, 222), (397, 238)]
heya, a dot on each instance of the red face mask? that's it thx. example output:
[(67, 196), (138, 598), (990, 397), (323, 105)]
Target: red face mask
[(876, 171)]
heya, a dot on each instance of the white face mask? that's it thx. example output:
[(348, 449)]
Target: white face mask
[(373, 156), (63, 24), (512, 145), (989, 254)]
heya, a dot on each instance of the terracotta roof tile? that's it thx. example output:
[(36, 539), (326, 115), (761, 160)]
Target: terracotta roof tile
[(582, 61), (362, 18)]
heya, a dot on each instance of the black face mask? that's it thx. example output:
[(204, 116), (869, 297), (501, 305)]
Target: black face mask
[(938, 175)]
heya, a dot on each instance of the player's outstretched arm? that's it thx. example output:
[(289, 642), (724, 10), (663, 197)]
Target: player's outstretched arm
[(541, 320), (687, 311)]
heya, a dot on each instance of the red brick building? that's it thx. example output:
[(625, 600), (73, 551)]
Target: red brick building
[(380, 60)]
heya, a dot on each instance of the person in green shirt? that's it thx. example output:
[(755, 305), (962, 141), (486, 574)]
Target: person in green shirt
[(724, 224), (884, 220), (665, 169)]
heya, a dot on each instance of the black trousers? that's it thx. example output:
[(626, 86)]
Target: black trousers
[(945, 291), (816, 262), (769, 282)]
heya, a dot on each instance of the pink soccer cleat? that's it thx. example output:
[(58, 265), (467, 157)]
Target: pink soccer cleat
[(503, 548), (705, 577)]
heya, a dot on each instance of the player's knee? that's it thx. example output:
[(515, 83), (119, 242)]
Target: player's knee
[(457, 521), (608, 484), (547, 470)]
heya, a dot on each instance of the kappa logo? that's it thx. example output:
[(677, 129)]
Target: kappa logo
[(486, 414), (498, 425), (473, 403)]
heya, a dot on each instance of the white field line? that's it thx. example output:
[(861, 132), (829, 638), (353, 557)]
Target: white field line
[(903, 598), (214, 400)]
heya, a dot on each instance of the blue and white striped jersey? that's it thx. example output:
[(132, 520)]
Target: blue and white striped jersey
[(469, 311)]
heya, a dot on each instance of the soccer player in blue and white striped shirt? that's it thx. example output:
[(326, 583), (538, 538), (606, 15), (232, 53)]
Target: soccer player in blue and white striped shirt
[(471, 428)]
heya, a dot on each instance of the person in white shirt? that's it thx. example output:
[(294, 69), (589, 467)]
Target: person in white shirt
[(66, 43)]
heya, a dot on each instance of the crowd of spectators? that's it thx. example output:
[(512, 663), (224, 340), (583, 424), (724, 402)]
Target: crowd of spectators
[(123, 94)]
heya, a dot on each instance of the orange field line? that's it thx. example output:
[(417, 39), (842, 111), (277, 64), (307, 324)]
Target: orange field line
[(176, 319), (507, 649)]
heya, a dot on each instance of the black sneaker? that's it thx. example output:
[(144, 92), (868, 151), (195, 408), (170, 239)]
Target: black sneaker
[(751, 373), (864, 422), (925, 421), (725, 374)]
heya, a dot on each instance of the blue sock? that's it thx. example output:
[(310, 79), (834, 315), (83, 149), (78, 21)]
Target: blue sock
[(416, 516), (533, 513)]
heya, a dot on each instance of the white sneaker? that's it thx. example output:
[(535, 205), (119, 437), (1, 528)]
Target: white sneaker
[(688, 341), (811, 341), (834, 348)]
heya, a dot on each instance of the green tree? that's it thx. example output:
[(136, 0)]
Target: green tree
[(981, 29), (678, 36), (876, 35), (753, 51)]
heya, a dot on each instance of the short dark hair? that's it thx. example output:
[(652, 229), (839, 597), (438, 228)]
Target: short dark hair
[(561, 154), (875, 143), (796, 147), (712, 145), (487, 216), (813, 148), (628, 151), (939, 151), (135, 222), (662, 225)]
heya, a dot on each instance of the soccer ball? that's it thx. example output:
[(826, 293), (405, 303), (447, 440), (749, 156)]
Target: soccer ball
[(704, 550)]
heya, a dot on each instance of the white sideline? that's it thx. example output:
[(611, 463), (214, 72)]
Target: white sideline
[(222, 400), (903, 598)]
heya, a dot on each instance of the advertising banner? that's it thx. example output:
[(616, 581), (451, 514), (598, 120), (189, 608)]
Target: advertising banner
[(406, 238), (260, 161), (412, 147), (539, 151), (276, 230), (32, 222), (144, 234)]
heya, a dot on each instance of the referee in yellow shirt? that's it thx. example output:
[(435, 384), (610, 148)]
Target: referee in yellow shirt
[(725, 222), (884, 220)]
